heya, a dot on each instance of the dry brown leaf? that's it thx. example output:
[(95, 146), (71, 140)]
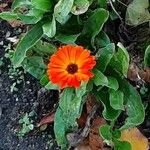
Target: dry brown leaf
[(135, 74), (47, 119), (95, 141), (15, 23), (137, 140), (90, 103)]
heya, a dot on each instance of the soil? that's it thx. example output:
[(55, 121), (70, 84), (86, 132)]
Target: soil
[(14, 104)]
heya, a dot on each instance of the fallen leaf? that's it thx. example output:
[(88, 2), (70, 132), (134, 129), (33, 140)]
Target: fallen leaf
[(15, 23), (47, 119), (95, 141), (137, 140)]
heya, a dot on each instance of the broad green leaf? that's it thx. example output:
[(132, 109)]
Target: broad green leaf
[(105, 132), (104, 56), (49, 28), (44, 48), (67, 39), (8, 16), (62, 9), (137, 12), (81, 90), (112, 83), (101, 40), (44, 80), (32, 17), (45, 5), (147, 57), (80, 7), (134, 106), (122, 145), (116, 134), (29, 40), (102, 3), (95, 23), (108, 113), (60, 129), (19, 3), (35, 66), (99, 78), (51, 86), (120, 61), (116, 99), (69, 110)]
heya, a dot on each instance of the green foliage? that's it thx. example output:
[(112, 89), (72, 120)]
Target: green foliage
[(147, 57), (80, 22), (32, 37), (70, 108), (26, 123), (113, 136), (95, 23)]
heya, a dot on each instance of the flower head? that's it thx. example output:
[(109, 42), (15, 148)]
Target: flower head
[(70, 65)]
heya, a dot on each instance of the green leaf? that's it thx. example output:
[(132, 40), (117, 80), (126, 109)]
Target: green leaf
[(45, 5), (44, 80), (67, 39), (120, 61), (104, 56), (101, 40), (122, 145), (8, 16), (116, 134), (51, 86), (99, 78), (70, 108), (108, 113), (62, 9), (137, 12), (105, 132), (95, 23), (102, 3), (112, 83), (116, 99), (29, 40), (44, 48), (80, 7), (35, 66), (134, 106), (32, 17), (147, 57), (49, 28)]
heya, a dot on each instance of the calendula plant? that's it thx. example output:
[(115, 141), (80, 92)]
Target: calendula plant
[(88, 62)]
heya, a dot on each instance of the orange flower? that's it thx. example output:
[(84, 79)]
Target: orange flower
[(70, 65)]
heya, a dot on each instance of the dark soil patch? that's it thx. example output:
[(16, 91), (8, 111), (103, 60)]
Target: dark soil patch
[(13, 105)]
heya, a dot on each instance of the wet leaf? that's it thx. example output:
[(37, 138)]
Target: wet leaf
[(137, 140)]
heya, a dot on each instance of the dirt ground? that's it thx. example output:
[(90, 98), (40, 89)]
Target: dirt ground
[(13, 105)]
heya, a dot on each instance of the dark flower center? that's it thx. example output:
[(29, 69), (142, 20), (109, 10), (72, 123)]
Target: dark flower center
[(72, 68)]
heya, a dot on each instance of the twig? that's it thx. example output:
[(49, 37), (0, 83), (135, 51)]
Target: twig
[(112, 6)]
